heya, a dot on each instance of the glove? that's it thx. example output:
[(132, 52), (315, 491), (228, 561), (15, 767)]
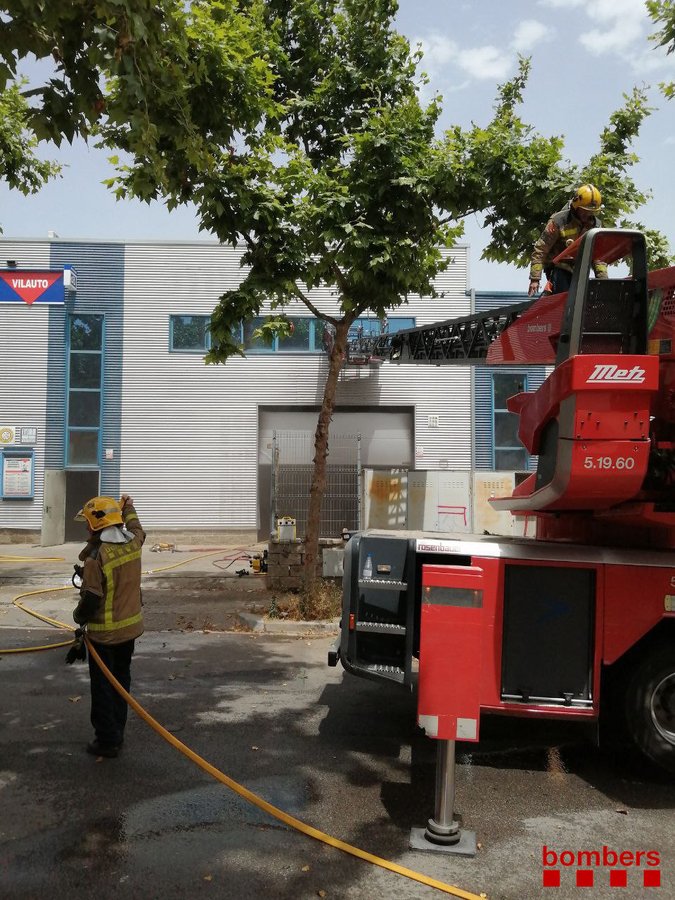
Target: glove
[(533, 288), (78, 650), (77, 576)]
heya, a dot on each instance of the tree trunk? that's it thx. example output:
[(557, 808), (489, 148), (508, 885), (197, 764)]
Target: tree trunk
[(318, 487)]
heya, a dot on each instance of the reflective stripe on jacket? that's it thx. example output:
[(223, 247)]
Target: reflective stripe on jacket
[(113, 573), (562, 229)]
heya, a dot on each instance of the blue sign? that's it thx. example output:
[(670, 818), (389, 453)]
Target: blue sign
[(32, 286)]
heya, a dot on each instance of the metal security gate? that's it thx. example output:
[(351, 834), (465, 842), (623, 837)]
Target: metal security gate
[(292, 468)]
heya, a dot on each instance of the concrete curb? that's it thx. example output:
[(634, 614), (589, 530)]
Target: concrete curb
[(287, 626)]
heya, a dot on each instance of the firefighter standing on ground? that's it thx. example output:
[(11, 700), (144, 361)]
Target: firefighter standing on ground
[(562, 229), (110, 606)]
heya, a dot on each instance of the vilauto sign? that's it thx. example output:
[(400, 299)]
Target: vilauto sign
[(32, 286)]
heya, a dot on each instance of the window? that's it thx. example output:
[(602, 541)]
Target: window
[(251, 344), (508, 452), (85, 360), (305, 337), (375, 327), (189, 334)]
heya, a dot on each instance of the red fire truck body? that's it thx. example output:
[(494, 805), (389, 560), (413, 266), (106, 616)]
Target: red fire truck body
[(579, 620)]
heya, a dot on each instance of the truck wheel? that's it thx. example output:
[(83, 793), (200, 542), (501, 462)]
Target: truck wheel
[(650, 706)]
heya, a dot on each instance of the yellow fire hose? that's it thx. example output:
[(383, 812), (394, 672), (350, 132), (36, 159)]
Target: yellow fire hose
[(239, 789), (37, 559)]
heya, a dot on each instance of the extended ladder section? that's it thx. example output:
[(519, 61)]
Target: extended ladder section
[(463, 340), (527, 333)]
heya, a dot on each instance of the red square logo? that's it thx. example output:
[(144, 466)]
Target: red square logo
[(584, 877), (618, 878), (551, 878), (652, 877)]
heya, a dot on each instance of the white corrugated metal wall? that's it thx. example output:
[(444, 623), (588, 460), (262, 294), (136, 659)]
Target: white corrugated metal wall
[(189, 432), (184, 435), (24, 368)]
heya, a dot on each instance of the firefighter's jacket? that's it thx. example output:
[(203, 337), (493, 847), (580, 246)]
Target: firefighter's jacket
[(562, 229), (112, 574)]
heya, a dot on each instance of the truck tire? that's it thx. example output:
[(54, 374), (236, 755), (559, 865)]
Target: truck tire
[(650, 705)]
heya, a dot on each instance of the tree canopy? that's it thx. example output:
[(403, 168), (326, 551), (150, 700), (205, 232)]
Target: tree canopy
[(133, 60), (162, 80), (662, 13), (20, 166)]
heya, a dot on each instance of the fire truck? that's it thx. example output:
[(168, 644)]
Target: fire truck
[(579, 621)]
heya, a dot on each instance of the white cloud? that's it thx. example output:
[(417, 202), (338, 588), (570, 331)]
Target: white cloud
[(528, 34), (485, 62), (653, 61), (614, 27), (438, 51), (619, 23)]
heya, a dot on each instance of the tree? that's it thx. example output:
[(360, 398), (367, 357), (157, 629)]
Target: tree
[(345, 183), (20, 167), (161, 79), (342, 193), (662, 13)]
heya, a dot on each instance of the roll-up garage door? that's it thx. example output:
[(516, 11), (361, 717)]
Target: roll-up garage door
[(369, 438)]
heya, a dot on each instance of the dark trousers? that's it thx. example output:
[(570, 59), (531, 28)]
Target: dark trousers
[(108, 709), (561, 280)]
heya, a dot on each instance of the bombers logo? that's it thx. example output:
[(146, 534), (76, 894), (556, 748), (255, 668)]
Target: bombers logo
[(606, 373), (598, 867)]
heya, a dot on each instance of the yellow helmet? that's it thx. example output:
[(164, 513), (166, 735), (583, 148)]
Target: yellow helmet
[(587, 197), (100, 512)]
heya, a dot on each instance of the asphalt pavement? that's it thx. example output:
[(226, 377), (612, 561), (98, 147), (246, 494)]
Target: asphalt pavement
[(340, 753)]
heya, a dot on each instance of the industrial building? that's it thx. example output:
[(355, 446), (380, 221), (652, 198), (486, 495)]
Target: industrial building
[(103, 389)]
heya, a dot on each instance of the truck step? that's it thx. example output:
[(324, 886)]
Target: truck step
[(393, 673), (381, 584), (381, 628)]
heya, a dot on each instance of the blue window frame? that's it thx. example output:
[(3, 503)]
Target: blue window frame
[(307, 335), (85, 390), (189, 334), (508, 454), (375, 327)]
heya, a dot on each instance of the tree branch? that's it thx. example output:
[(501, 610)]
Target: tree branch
[(310, 306), (340, 278)]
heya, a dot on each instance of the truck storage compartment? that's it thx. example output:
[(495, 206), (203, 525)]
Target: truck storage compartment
[(548, 631), (378, 608)]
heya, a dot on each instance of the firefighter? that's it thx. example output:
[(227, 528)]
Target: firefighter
[(110, 609), (562, 229)]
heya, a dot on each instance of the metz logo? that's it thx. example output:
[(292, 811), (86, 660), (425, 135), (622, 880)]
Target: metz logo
[(605, 373)]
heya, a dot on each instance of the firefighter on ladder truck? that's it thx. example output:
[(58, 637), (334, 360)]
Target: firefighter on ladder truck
[(578, 622), (563, 229)]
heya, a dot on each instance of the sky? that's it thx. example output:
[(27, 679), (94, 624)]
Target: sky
[(586, 54)]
